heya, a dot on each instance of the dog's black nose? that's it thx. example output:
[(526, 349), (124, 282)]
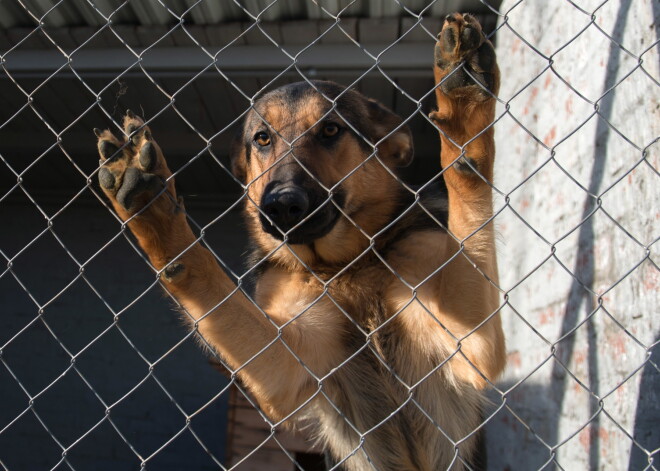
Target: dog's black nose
[(286, 207)]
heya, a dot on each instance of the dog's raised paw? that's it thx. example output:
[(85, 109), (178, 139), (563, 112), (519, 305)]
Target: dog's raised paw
[(465, 58), (133, 170)]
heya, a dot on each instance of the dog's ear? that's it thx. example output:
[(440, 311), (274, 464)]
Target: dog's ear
[(394, 138), (238, 156)]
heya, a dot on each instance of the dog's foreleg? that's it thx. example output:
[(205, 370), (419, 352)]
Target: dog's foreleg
[(137, 180), (467, 79)]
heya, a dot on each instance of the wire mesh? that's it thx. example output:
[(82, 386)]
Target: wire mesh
[(96, 374)]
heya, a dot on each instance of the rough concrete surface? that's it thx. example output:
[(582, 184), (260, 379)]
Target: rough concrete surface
[(578, 160)]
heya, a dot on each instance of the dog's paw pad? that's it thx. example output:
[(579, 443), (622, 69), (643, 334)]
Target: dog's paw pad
[(148, 156), (109, 150), (107, 178), (133, 172), (465, 56), (460, 36), (136, 183)]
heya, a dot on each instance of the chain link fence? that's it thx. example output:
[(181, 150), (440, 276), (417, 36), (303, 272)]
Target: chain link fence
[(97, 374)]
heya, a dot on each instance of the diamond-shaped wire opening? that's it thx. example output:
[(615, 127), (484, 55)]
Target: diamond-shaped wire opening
[(28, 425), (123, 303)]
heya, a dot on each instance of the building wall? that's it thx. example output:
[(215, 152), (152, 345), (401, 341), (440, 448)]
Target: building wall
[(77, 320), (577, 158)]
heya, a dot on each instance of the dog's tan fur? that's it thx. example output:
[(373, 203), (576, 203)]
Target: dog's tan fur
[(387, 332)]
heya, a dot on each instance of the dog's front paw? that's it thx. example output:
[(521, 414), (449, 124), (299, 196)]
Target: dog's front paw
[(464, 59), (134, 172)]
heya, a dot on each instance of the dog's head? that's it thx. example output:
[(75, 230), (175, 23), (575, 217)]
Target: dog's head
[(318, 161)]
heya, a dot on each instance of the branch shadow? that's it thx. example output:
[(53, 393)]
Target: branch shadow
[(581, 295), (646, 433), (540, 406)]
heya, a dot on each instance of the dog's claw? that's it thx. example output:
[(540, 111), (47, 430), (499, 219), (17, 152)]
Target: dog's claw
[(98, 132)]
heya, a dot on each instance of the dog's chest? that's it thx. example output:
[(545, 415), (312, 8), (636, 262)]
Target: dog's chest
[(357, 294), (359, 307)]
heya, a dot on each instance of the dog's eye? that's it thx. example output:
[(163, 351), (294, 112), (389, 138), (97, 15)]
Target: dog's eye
[(262, 138), (330, 130)]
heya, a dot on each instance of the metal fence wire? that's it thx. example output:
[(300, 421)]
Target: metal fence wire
[(98, 373)]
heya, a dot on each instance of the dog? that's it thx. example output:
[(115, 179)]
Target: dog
[(375, 310)]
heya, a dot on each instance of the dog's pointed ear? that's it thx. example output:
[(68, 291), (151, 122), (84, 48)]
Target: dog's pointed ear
[(238, 157), (395, 143)]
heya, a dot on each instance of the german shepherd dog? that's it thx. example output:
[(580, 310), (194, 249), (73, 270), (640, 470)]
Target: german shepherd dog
[(375, 309)]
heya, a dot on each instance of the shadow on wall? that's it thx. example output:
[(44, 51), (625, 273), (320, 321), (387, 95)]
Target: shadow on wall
[(581, 294), (647, 432)]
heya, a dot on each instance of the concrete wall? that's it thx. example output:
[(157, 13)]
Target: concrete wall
[(77, 316), (578, 158)]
